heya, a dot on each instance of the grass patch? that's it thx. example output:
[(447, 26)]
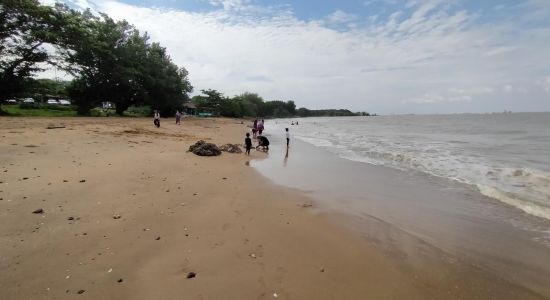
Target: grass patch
[(16, 111)]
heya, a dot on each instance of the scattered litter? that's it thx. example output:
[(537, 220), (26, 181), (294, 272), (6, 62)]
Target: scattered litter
[(252, 255), (110, 270), (275, 295)]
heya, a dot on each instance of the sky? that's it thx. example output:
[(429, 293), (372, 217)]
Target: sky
[(379, 56)]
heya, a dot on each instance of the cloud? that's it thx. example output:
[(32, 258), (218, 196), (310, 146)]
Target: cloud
[(339, 17), (414, 56)]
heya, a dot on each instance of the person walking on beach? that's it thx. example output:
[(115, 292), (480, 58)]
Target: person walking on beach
[(247, 144), (287, 137), (254, 128), (156, 118), (260, 126), (178, 117)]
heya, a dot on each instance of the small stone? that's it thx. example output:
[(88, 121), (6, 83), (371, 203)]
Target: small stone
[(322, 270), (252, 255), (65, 180), (224, 178), (81, 291), (70, 218), (116, 217), (25, 178), (157, 238), (38, 211), (119, 280), (191, 275), (83, 180)]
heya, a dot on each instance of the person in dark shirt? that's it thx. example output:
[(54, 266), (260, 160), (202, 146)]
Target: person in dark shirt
[(247, 143), (263, 142)]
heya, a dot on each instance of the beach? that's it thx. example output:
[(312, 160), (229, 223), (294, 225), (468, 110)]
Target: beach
[(128, 213)]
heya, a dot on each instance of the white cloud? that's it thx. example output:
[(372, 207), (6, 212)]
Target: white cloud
[(339, 16), (425, 54)]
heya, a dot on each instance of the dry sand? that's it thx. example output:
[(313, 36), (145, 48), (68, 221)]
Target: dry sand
[(129, 214)]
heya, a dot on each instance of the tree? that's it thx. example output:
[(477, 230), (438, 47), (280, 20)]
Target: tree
[(112, 61), (26, 28)]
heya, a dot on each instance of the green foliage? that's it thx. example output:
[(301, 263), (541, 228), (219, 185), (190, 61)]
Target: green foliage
[(113, 61), (304, 112), (25, 27), (16, 110), (47, 106), (138, 111)]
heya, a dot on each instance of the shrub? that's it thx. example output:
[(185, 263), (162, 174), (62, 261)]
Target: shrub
[(138, 111)]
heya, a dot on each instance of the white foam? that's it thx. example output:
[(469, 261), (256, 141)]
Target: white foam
[(470, 159)]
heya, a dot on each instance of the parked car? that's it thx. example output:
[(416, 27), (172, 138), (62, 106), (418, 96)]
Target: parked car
[(64, 102), (28, 100), (52, 101), (11, 101)]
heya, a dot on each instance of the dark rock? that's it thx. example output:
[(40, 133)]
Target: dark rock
[(70, 218), (83, 180), (38, 211), (157, 238), (203, 148), (120, 280), (191, 275), (25, 178), (231, 148), (116, 217), (81, 291)]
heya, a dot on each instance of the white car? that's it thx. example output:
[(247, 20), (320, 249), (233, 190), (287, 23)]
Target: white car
[(28, 100), (64, 102), (52, 101), (11, 101)]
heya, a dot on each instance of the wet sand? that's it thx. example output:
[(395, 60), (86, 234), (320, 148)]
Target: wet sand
[(127, 213), (412, 213)]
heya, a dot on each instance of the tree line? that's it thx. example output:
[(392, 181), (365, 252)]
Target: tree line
[(109, 61)]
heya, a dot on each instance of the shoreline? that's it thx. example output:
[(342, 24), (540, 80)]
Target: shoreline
[(243, 236), (451, 219)]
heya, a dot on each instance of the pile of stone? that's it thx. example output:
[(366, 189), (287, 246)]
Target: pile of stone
[(203, 148), (231, 148)]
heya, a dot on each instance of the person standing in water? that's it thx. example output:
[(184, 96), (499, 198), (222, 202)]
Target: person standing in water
[(156, 118), (287, 137)]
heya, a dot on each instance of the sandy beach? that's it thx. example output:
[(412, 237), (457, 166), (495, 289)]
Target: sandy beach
[(128, 213)]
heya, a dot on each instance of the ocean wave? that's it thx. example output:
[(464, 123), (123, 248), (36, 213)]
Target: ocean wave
[(527, 189)]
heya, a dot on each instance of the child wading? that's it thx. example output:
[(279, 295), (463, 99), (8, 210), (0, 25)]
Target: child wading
[(247, 143), (156, 119)]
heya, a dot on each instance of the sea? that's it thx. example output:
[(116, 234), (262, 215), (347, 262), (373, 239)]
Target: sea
[(506, 156)]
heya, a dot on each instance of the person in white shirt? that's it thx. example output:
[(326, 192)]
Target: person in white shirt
[(156, 119), (287, 137)]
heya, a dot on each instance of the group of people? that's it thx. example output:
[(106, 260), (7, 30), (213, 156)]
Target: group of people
[(257, 127), (263, 141), (156, 118), (257, 130)]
